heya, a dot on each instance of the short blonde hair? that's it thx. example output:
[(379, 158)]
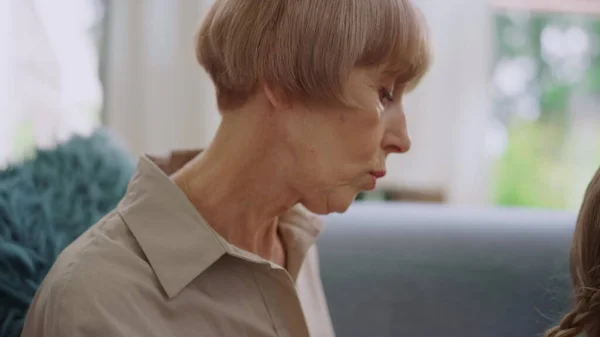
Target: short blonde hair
[(308, 48)]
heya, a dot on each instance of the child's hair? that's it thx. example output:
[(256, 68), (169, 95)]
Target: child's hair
[(584, 319), (307, 48)]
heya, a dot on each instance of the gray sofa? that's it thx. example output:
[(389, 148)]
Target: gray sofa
[(415, 270)]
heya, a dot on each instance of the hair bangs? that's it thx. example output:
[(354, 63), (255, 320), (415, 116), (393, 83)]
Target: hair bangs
[(397, 42), (308, 49)]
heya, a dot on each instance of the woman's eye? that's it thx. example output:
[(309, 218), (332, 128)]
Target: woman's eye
[(386, 95)]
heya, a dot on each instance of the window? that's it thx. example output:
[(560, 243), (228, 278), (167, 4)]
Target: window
[(546, 92), (49, 74)]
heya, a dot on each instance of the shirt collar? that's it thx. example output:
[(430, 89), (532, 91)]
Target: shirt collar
[(177, 241)]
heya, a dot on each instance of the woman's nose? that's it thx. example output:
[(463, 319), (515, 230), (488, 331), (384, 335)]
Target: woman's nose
[(396, 138), (393, 144)]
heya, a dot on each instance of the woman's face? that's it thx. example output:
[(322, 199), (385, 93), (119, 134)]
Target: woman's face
[(342, 151)]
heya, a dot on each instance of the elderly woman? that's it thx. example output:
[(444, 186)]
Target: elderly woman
[(222, 244)]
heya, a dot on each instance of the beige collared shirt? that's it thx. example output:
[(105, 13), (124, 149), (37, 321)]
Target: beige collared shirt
[(155, 268)]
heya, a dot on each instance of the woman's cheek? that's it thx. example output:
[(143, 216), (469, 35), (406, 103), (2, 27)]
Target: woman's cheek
[(370, 142), (374, 115)]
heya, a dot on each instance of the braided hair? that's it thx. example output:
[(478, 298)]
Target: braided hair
[(583, 319)]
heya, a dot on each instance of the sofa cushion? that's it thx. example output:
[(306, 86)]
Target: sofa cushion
[(393, 269)]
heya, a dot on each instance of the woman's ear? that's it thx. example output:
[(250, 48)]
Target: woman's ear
[(277, 97)]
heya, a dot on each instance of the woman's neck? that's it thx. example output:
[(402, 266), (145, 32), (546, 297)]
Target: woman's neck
[(240, 185)]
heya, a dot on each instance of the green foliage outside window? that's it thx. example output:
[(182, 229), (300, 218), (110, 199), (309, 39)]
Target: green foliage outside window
[(547, 100)]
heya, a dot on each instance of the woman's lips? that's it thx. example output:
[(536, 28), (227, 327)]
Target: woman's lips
[(375, 175), (378, 174)]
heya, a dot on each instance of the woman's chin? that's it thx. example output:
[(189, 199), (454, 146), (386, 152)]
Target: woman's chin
[(336, 203)]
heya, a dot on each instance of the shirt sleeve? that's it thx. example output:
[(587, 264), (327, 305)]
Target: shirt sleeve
[(44, 313), (83, 306)]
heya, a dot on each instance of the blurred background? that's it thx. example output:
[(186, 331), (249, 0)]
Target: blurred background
[(508, 115)]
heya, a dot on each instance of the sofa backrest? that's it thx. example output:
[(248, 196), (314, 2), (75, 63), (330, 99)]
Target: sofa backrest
[(393, 269)]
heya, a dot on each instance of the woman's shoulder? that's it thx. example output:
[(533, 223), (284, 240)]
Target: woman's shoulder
[(91, 279), (107, 243)]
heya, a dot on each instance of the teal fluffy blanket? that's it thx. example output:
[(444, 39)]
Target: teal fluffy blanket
[(45, 203)]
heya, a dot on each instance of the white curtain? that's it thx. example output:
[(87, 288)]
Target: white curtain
[(49, 87), (158, 98), (6, 82)]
